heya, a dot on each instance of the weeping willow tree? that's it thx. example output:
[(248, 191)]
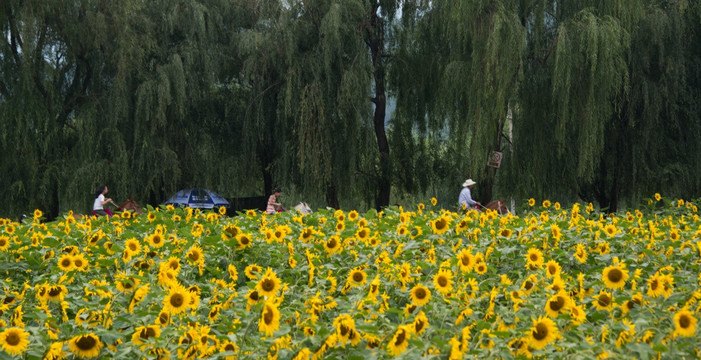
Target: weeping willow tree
[(465, 57), (327, 85), (606, 112), (111, 93), (52, 70), (603, 96)]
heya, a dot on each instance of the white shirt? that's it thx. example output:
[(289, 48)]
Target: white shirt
[(466, 197), (97, 205)]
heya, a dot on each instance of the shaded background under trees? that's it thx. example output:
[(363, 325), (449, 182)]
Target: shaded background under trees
[(360, 103)]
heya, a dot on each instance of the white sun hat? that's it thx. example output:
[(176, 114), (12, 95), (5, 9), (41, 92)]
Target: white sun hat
[(468, 182)]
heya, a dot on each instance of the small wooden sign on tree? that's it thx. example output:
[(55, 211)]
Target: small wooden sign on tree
[(494, 159)]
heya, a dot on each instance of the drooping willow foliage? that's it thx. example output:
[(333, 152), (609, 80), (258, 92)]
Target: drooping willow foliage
[(589, 100), (602, 96), (118, 93)]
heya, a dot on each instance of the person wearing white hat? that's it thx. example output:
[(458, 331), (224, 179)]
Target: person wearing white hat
[(465, 199)]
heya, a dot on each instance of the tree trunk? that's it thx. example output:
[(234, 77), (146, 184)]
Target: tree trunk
[(332, 196), (376, 43)]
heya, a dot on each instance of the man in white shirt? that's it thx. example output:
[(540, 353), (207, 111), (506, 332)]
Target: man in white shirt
[(465, 199)]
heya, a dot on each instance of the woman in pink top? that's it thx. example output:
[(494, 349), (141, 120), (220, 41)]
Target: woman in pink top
[(273, 205)]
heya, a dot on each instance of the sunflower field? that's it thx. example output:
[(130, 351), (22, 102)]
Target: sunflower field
[(420, 283)]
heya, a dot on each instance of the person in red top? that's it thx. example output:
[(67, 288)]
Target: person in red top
[(273, 204)]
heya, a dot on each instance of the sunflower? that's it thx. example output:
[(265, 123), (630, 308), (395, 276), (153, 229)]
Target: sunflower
[(173, 264), (481, 268), (345, 327), (177, 300), (405, 273), (505, 232), (610, 230), (163, 318), (603, 301), (543, 332), (126, 284), (462, 225), (14, 340), (400, 340), (519, 346), (151, 216), (233, 273), (340, 226), (529, 283), (465, 260), (80, 263), (65, 263), (307, 234), (197, 229), (4, 242), (252, 271), (552, 269), (280, 232), (269, 284), (214, 313), (556, 232), (440, 225), (557, 284), (230, 231), (362, 233), (658, 197), (132, 247), (10, 229), (615, 276), (85, 346), (57, 292), (195, 255), (357, 277), (534, 259), (684, 323), (402, 229), (531, 202), (156, 240), (252, 297), (229, 347), (581, 253), (374, 241), (269, 319), (55, 351), (142, 334), (353, 215), (556, 304), (194, 296), (443, 281), (636, 300), (167, 277), (420, 295), (332, 245), (654, 286), (577, 314), (420, 323), (139, 296), (667, 281)]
